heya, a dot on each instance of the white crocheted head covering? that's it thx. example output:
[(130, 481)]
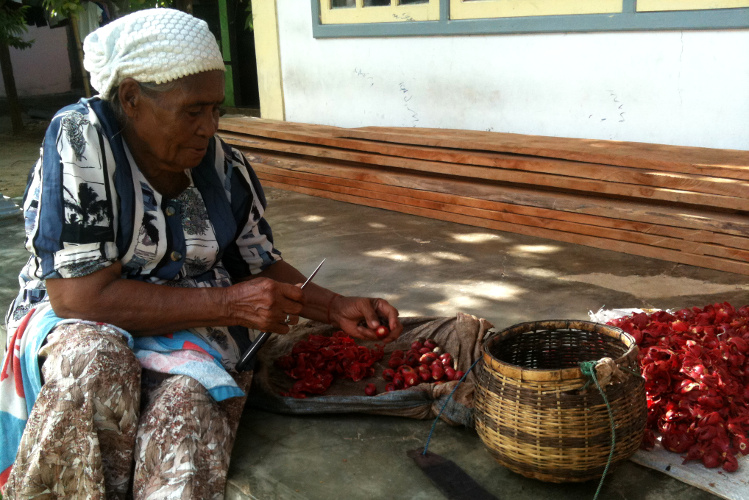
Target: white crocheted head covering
[(152, 45)]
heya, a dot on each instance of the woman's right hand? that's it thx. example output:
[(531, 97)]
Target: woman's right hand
[(263, 304)]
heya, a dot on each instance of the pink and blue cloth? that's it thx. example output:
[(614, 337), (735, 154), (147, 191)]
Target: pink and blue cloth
[(179, 353)]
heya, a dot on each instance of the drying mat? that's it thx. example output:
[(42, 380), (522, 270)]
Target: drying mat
[(461, 335), (728, 485)]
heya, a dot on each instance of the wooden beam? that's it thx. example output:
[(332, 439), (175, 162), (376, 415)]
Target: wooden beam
[(617, 246), (520, 177), (503, 213), (703, 226), (456, 145), (626, 154), (700, 220)]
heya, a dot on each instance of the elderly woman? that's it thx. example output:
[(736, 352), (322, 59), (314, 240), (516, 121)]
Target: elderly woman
[(150, 261)]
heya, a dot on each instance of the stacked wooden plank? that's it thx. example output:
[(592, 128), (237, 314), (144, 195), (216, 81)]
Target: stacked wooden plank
[(680, 204)]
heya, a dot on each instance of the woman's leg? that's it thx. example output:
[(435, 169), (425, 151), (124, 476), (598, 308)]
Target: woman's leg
[(80, 435), (185, 439)]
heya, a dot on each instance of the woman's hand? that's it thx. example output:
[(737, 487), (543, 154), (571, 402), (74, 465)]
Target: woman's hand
[(356, 316), (349, 313), (265, 304)]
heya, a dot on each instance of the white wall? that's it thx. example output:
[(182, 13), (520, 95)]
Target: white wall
[(43, 68), (685, 88)]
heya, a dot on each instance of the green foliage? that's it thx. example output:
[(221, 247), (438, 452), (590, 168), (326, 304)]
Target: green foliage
[(133, 5), (248, 24), (68, 8), (64, 8), (13, 25)]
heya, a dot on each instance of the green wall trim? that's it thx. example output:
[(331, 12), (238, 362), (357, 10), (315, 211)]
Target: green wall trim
[(444, 11), (628, 20), (229, 87), (629, 6), (224, 21), (226, 53)]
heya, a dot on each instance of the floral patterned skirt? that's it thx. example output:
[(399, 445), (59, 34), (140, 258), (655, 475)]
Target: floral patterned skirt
[(100, 429)]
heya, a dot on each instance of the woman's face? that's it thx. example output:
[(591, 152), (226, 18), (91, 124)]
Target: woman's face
[(172, 129)]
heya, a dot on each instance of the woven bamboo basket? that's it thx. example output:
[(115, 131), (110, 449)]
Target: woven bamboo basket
[(537, 413)]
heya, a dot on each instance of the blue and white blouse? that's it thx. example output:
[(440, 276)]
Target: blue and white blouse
[(87, 205)]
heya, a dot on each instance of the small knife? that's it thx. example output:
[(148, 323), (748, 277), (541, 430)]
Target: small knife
[(260, 340)]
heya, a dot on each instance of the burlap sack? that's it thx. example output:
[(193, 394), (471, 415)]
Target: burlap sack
[(462, 336)]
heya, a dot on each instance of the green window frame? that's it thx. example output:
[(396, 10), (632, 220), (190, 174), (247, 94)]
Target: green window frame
[(370, 18)]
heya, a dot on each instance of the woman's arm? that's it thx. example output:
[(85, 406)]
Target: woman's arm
[(260, 302), (148, 309)]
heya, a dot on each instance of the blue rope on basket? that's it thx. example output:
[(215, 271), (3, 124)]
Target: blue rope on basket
[(589, 370), (429, 438)]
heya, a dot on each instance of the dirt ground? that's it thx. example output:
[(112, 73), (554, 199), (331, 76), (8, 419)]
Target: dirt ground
[(18, 153)]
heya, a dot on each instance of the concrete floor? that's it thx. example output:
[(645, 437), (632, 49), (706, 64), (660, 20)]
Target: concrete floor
[(433, 268), (428, 267)]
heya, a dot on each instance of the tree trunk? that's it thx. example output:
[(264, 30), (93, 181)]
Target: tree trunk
[(184, 6), (10, 89), (79, 48), (76, 68)]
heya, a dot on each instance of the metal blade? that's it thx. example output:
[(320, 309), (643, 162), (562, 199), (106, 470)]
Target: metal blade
[(313, 273), (246, 358)]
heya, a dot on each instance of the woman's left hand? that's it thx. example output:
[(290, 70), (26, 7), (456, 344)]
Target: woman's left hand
[(350, 313)]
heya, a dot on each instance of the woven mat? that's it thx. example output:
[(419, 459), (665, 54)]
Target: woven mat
[(728, 485)]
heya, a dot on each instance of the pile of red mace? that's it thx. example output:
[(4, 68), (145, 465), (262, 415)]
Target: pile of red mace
[(696, 369)]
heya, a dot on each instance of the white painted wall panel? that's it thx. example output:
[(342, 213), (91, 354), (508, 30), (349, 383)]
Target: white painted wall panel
[(43, 68), (684, 88)]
